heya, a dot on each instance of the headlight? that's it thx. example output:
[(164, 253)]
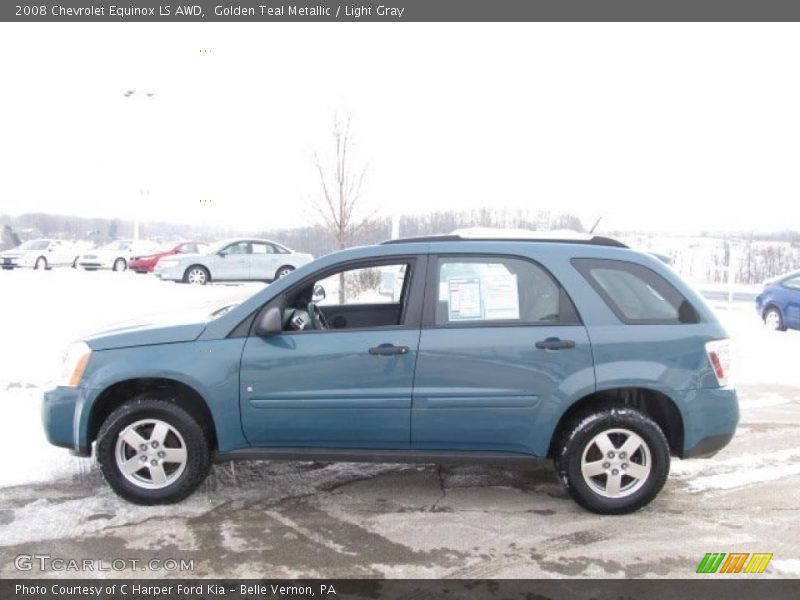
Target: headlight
[(75, 360)]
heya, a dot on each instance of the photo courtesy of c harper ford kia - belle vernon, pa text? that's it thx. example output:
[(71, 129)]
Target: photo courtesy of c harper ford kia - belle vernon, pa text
[(414, 300)]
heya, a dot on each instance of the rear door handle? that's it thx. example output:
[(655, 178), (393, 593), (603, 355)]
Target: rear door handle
[(388, 349), (555, 344)]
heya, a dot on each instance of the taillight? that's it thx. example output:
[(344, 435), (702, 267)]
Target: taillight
[(719, 355)]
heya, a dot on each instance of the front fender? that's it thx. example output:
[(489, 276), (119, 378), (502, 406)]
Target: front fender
[(211, 368)]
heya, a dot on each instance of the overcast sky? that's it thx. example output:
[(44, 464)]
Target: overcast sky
[(654, 126)]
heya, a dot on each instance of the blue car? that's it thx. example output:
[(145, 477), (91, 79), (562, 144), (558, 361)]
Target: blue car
[(779, 302), (477, 350)]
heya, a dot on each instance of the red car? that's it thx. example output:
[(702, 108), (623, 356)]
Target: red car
[(146, 264)]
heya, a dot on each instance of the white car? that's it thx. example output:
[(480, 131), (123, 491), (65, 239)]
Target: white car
[(39, 254), (116, 255), (233, 260)]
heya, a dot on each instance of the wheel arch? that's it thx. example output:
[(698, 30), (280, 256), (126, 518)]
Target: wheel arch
[(653, 403), (172, 390)]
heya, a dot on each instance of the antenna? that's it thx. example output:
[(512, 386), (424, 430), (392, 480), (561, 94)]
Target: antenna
[(596, 223)]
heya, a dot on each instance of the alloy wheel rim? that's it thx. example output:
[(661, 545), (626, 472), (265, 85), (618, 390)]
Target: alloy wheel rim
[(151, 454), (616, 463), (197, 276)]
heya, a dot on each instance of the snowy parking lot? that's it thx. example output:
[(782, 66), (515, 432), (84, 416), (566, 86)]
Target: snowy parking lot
[(295, 519)]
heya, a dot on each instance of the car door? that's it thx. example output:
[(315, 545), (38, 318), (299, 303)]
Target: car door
[(500, 340), (232, 262), (263, 261), (348, 387), (791, 301), (57, 254)]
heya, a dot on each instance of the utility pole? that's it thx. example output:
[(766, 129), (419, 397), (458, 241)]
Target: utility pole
[(139, 148)]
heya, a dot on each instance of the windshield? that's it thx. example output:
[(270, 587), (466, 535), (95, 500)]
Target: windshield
[(34, 245)]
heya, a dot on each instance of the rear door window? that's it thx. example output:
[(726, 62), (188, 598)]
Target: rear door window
[(635, 293), (496, 290)]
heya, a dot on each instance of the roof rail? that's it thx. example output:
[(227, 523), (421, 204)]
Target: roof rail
[(596, 240)]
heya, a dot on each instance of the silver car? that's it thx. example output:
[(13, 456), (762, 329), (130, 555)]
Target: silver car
[(233, 260), (39, 254)]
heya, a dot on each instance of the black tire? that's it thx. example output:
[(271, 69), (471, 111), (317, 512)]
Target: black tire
[(41, 263), (577, 437), (194, 436), (120, 264), (774, 319), (283, 271), (198, 271)]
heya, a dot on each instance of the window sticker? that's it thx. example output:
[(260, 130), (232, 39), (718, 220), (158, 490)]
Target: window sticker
[(501, 296), (464, 299)]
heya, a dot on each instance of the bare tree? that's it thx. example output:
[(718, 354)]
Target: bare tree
[(342, 181)]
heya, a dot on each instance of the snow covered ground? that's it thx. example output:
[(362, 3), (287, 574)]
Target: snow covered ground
[(391, 520)]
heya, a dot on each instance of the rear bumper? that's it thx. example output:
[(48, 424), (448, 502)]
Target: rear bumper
[(709, 446), (58, 417), (710, 420)]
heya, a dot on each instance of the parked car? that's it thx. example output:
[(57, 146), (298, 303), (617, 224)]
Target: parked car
[(233, 260), (146, 264), (39, 254), (116, 256), (778, 304), (586, 352)]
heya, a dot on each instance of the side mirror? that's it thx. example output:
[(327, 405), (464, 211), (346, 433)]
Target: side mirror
[(319, 293), (270, 322), (222, 254)]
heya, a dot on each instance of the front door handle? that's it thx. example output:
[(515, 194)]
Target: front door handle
[(388, 349), (555, 344)]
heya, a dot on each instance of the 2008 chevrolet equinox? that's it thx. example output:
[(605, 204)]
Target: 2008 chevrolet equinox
[(439, 349)]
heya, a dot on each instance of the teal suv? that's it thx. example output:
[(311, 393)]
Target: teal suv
[(441, 349)]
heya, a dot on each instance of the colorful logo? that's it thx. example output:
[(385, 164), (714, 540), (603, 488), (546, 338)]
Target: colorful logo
[(735, 562)]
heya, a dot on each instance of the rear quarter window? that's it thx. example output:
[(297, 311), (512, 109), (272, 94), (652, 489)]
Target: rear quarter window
[(635, 293)]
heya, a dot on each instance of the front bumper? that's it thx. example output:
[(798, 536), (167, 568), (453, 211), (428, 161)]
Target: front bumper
[(710, 421), (141, 267), (170, 273), (59, 407)]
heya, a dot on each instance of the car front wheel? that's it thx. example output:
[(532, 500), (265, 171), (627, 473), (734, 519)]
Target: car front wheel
[(196, 275), (773, 319), (152, 451), (613, 461)]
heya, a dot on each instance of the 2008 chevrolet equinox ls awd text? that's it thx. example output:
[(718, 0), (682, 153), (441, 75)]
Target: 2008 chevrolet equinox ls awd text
[(439, 349)]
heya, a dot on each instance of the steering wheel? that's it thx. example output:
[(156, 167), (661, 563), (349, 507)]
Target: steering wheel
[(318, 318)]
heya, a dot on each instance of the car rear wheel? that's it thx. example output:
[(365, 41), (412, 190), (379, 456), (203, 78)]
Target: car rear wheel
[(41, 263), (613, 460), (152, 451), (283, 271), (120, 264), (773, 319), (196, 275)]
